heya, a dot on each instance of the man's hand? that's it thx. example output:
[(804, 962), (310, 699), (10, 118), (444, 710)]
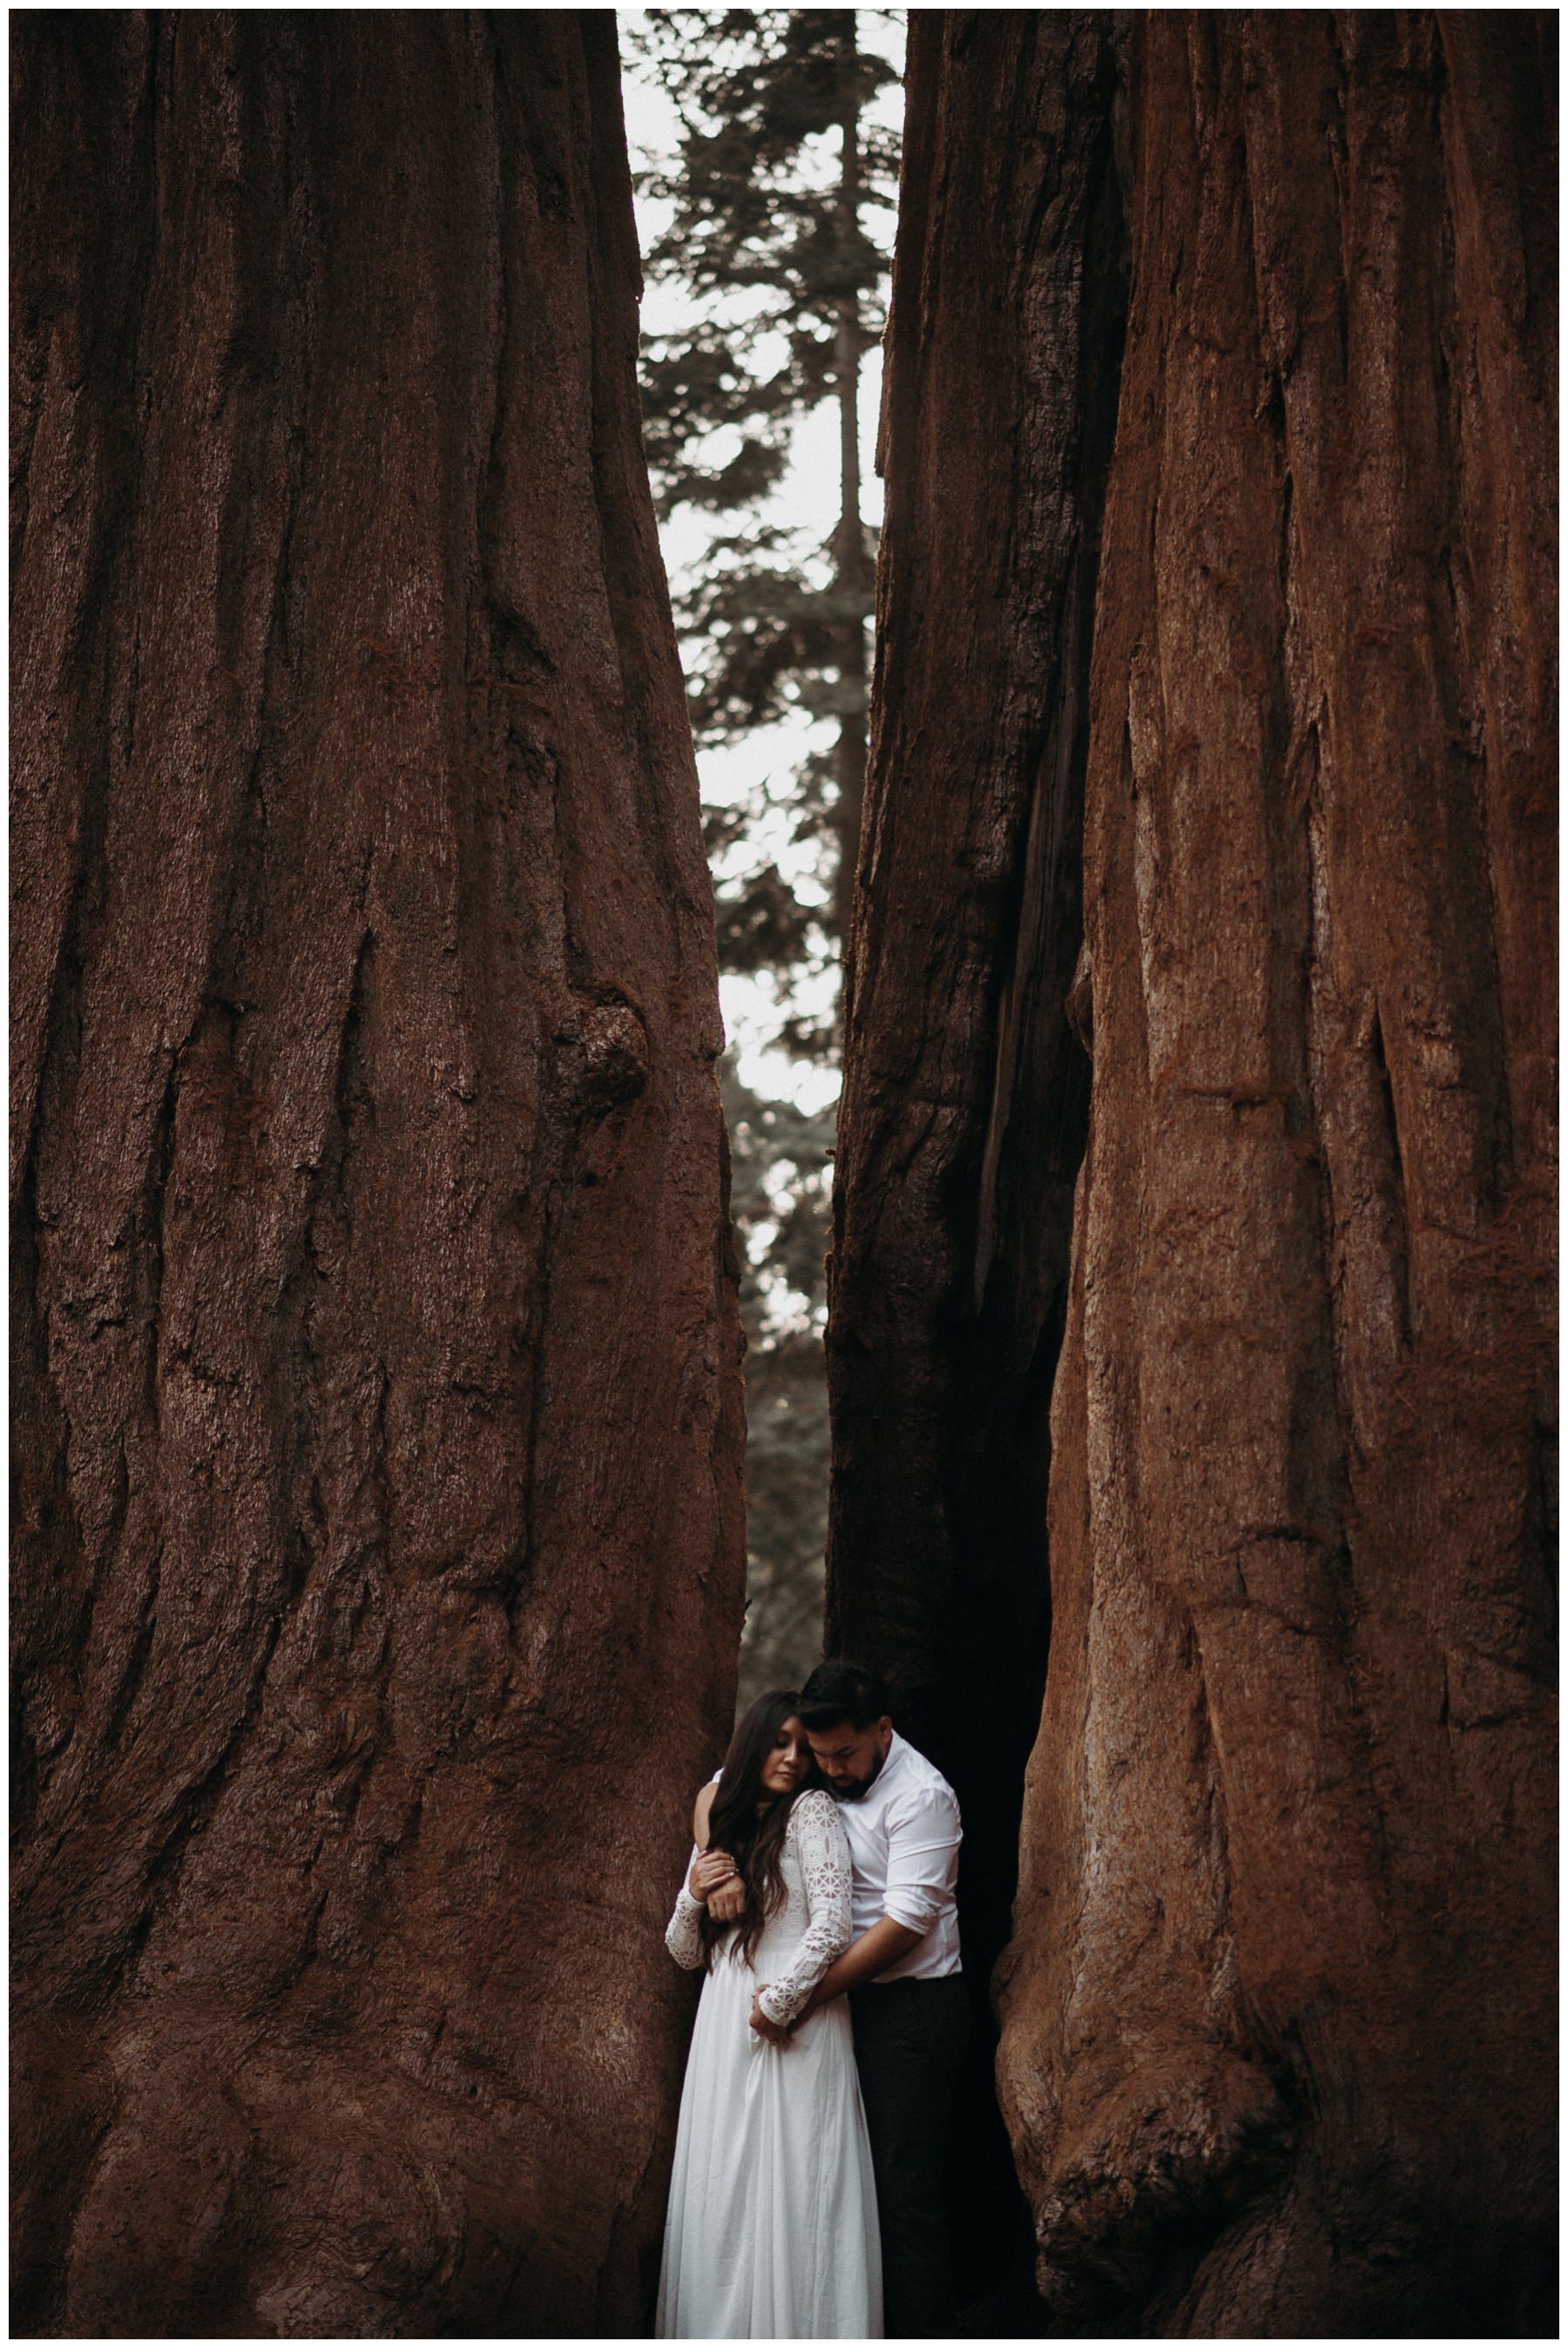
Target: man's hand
[(708, 1881), (775, 2033), (727, 1905)]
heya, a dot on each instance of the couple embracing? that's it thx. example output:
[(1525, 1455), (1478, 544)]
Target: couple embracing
[(806, 2201)]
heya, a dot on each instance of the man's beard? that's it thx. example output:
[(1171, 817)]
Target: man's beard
[(854, 1787)]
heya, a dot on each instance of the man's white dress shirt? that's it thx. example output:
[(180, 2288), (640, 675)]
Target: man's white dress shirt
[(904, 1836)]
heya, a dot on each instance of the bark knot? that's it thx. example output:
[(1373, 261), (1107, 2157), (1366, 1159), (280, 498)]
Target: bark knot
[(606, 1054)]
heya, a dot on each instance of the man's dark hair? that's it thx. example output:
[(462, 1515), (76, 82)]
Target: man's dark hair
[(837, 1692)]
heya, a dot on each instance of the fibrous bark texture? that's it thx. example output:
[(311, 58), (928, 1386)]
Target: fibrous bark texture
[(1276, 2054), (380, 1554)]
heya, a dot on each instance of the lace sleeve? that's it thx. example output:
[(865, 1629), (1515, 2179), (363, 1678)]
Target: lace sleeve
[(682, 1934), (825, 1863)]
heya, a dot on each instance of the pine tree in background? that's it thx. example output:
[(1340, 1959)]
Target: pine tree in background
[(780, 202), (771, 239)]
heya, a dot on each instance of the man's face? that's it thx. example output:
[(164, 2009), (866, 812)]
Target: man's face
[(849, 1758)]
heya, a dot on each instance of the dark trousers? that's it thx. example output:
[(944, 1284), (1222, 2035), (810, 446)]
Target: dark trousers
[(910, 2041)]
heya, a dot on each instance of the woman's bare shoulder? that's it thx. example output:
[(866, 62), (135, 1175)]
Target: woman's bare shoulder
[(700, 1810)]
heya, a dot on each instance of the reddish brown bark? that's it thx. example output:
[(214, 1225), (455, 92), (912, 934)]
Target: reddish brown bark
[(1277, 2050), (379, 1571)]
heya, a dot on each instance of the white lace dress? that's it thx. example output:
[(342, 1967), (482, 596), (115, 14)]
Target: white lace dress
[(772, 2231)]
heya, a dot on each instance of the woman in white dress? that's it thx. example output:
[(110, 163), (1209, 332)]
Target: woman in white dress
[(772, 2231)]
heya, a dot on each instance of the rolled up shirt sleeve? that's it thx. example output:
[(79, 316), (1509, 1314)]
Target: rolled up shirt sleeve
[(923, 1838)]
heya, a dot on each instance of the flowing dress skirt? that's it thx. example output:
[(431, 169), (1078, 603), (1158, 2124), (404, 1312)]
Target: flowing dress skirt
[(772, 2231)]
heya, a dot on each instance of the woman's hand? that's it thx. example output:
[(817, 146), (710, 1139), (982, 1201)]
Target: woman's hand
[(776, 2033), (709, 1873)]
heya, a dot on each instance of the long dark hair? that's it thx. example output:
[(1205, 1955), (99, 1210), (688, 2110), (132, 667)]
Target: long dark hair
[(753, 1837)]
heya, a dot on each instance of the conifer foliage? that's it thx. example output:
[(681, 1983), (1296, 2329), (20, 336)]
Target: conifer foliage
[(778, 206), (782, 197)]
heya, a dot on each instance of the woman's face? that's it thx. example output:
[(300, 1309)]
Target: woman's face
[(789, 1763)]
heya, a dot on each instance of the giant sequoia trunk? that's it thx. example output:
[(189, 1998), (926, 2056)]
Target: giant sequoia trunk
[(1276, 2041), (380, 1557)]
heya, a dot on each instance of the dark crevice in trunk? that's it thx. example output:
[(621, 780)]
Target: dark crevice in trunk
[(1392, 1174), (1005, 1351)]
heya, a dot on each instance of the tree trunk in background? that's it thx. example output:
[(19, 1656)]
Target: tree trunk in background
[(1277, 2052), (381, 1556)]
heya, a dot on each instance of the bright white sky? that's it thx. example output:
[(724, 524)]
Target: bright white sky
[(808, 497)]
